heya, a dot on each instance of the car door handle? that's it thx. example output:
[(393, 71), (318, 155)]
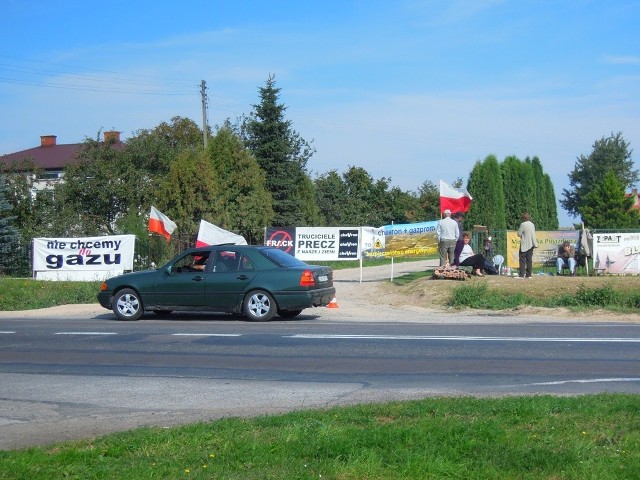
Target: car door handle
[(242, 277), (197, 278)]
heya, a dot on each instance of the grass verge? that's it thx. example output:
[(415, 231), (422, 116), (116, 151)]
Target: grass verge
[(585, 437), (28, 294), (481, 296)]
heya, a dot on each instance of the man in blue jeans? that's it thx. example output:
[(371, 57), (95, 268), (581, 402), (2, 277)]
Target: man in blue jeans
[(566, 257)]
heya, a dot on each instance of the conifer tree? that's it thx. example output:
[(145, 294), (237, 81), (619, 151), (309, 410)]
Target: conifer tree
[(514, 201), (486, 186), (283, 155), (8, 233), (242, 191), (606, 206), (611, 154)]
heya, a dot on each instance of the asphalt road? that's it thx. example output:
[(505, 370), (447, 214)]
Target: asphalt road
[(74, 376)]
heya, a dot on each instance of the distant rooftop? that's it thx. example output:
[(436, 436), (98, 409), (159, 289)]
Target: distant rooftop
[(51, 156)]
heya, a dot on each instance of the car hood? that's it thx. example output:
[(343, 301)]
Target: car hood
[(131, 276)]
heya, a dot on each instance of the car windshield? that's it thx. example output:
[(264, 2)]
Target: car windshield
[(281, 258)]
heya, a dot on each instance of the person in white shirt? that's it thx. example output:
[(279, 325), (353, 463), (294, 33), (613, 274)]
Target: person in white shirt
[(447, 232), (470, 259)]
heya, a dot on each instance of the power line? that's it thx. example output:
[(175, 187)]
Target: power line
[(52, 75)]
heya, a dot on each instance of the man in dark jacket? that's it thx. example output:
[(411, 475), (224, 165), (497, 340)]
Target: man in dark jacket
[(566, 257)]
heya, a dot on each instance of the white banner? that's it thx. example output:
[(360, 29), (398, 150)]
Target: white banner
[(372, 242), (327, 243), (89, 258), (616, 253)]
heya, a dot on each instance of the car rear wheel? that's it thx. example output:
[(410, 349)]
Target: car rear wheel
[(289, 313), (259, 306), (127, 305)]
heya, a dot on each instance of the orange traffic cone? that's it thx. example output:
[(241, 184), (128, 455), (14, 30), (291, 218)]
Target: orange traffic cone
[(333, 303)]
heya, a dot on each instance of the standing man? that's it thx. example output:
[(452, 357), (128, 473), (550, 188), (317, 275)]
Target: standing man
[(527, 234), (447, 231)]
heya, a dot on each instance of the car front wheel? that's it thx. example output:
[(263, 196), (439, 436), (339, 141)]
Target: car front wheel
[(127, 305), (259, 306)]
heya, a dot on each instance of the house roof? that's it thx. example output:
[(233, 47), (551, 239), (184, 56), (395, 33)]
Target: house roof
[(52, 157)]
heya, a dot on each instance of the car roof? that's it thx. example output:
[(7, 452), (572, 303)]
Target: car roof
[(227, 246)]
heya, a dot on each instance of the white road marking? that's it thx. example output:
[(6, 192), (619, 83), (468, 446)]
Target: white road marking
[(7, 332), (591, 380), (86, 333), (206, 334), (468, 338)]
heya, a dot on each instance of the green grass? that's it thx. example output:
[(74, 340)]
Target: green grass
[(541, 437), (480, 296), (27, 294)]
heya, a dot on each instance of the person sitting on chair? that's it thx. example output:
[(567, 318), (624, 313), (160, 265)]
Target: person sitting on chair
[(469, 259), (566, 257)]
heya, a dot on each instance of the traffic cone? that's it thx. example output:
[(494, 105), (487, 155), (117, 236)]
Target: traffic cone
[(333, 303)]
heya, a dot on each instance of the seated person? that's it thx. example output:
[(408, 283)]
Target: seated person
[(566, 256), (199, 262), (469, 259)]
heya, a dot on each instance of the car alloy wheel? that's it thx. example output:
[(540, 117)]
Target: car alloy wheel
[(126, 305), (259, 306)]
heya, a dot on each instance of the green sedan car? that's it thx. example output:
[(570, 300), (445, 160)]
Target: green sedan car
[(256, 281)]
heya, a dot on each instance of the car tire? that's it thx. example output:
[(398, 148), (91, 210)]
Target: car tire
[(127, 305), (259, 306), (289, 313)]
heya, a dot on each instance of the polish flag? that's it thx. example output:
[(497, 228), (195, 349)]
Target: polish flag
[(210, 234), (456, 200), (160, 223)]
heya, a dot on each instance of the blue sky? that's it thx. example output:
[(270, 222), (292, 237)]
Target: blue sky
[(410, 90)]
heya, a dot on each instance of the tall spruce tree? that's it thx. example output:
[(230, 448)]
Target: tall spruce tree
[(283, 154), (606, 206), (610, 154)]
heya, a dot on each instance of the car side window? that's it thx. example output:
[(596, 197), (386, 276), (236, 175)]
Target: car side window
[(245, 264), (226, 261), (195, 262)]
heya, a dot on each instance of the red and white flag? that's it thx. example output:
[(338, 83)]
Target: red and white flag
[(160, 223), (210, 234), (456, 200)]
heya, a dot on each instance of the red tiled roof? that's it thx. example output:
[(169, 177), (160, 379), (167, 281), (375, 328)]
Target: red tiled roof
[(53, 157)]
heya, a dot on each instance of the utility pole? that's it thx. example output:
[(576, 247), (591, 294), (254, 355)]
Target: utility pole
[(203, 93)]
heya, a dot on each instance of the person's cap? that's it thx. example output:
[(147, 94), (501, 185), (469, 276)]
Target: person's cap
[(447, 212)]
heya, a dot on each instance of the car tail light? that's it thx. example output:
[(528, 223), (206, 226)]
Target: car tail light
[(306, 279)]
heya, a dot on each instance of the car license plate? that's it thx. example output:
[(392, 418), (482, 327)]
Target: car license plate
[(322, 278)]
